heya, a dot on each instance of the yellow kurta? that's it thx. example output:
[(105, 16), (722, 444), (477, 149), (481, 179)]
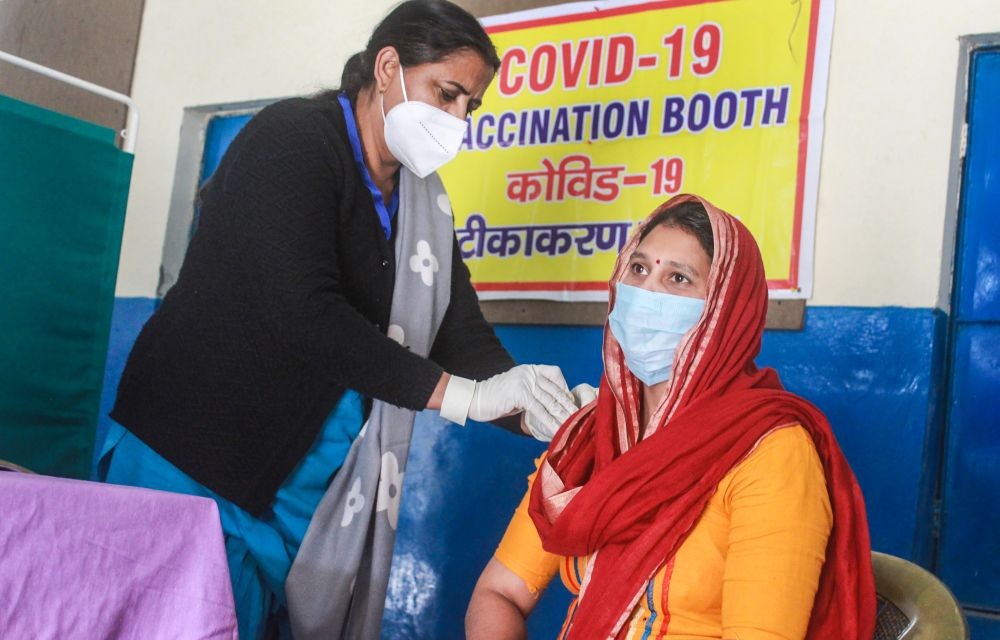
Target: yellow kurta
[(750, 567)]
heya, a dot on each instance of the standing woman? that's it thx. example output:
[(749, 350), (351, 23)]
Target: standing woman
[(324, 291)]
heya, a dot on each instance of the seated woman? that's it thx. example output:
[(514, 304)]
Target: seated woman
[(695, 498)]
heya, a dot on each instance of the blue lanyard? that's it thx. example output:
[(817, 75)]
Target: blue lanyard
[(385, 212)]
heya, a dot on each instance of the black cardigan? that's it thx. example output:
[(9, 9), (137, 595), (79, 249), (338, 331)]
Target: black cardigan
[(282, 304)]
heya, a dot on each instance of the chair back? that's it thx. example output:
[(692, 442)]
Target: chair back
[(913, 604)]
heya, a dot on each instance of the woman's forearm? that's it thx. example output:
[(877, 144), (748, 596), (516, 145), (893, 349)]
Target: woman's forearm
[(438, 395)]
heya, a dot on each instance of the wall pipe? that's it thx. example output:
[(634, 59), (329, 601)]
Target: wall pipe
[(132, 119)]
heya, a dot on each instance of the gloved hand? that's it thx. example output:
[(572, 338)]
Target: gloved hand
[(584, 394), (540, 391)]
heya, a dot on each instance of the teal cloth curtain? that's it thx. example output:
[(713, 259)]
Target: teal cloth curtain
[(63, 191)]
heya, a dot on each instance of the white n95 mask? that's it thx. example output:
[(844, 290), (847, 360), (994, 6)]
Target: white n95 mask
[(423, 138), (648, 326)]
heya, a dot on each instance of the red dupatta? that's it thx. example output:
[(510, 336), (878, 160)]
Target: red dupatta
[(631, 503)]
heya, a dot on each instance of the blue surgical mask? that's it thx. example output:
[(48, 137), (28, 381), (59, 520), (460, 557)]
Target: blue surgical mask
[(648, 326)]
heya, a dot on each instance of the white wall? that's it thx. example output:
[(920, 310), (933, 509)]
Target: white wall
[(886, 150), (884, 174), (193, 52)]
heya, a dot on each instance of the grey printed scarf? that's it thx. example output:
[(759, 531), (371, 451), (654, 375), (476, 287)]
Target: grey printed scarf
[(337, 585)]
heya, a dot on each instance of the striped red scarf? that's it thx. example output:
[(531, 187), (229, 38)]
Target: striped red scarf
[(630, 502)]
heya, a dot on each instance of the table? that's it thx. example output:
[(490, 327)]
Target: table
[(89, 560)]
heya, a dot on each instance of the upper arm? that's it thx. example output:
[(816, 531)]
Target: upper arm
[(498, 580), (520, 551), (513, 580), (780, 520)]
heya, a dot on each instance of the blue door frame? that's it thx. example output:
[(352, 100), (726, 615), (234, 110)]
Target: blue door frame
[(968, 554)]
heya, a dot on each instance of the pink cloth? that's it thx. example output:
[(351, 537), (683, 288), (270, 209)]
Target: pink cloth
[(88, 560)]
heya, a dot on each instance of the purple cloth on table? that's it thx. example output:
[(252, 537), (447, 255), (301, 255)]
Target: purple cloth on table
[(89, 560)]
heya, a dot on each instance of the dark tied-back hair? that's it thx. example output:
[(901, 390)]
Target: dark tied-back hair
[(422, 31), (689, 216)]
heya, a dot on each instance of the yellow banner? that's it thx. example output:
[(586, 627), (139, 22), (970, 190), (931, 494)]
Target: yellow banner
[(600, 112)]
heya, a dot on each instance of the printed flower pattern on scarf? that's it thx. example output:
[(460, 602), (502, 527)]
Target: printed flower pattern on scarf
[(390, 488), (396, 333), (444, 204), (424, 262), (355, 503)]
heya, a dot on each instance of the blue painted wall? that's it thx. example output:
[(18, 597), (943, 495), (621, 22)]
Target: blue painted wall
[(983, 626), (874, 371), (127, 319)]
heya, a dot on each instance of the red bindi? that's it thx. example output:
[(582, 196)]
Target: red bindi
[(657, 262)]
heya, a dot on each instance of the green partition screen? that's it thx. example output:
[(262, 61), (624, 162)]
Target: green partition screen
[(63, 190)]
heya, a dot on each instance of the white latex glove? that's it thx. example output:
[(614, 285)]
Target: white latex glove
[(584, 394), (540, 391)]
